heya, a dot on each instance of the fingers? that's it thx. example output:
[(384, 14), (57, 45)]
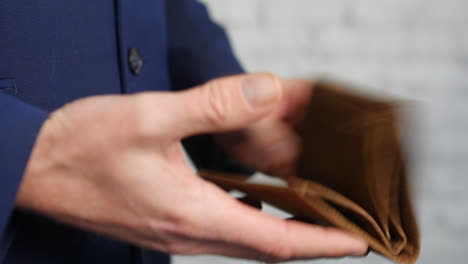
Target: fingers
[(297, 98), (274, 239), (224, 104), (277, 144), (268, 146)]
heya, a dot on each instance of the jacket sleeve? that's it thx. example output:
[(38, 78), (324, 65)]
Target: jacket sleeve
[(19, 126), (199, 50)]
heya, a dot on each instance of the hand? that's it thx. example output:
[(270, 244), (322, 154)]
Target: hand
[(114, 165), (271, 144)]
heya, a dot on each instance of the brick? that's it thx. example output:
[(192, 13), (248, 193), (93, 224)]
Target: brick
[(228, 12), (304, 12), (398, 44), (413, 13), (266, 40)]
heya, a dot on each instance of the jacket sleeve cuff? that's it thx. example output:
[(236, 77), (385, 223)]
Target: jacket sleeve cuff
[(20, 124)]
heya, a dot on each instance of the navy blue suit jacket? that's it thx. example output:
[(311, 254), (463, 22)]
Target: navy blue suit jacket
[(55, 51)]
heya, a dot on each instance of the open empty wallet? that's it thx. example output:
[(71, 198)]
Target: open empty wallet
[(352, 172)]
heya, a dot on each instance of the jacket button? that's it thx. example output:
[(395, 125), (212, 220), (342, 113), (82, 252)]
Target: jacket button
[(135, 61)]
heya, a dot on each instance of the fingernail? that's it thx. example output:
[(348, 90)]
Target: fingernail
[(261, 90), (361, 253)]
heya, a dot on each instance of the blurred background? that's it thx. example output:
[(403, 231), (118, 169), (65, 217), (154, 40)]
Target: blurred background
[(415, 49)]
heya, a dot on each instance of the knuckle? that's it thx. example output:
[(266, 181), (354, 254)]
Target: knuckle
[(280, 250), (177, 231), (169, 234), (218, 103), (182, 220)]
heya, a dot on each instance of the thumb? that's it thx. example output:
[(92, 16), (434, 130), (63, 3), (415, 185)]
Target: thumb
[(225, 104)]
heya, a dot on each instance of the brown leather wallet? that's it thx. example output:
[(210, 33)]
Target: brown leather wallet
[(351, 173)]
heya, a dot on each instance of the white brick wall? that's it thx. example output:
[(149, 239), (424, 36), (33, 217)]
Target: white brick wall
[(413, 48)]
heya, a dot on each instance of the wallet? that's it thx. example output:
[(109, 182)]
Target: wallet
[(352, 172)]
